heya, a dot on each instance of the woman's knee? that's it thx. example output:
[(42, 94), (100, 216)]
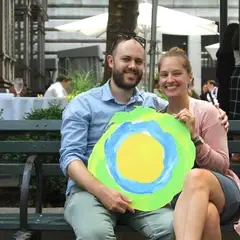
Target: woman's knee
[(197, 179)]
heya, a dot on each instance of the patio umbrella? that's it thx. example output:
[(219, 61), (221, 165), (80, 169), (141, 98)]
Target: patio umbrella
[(212, 50), (169, 21)]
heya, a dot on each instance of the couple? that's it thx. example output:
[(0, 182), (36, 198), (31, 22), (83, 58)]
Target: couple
[(210, 195)]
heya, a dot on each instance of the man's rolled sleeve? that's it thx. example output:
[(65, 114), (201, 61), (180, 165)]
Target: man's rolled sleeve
[(74, 132)]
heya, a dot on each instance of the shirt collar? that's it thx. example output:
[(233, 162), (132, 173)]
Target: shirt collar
[(107, 94)]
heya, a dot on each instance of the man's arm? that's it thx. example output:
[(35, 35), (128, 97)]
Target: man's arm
[(74, 133), (75, 126), (59, 91), (80, 174), (223, 117)]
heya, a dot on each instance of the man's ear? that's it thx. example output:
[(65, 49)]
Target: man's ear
[(110, 61)]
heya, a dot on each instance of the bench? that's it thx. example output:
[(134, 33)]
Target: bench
[(31, 225)]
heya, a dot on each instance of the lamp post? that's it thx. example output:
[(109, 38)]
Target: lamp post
[(223, 17), (153, 43), (239, 19)]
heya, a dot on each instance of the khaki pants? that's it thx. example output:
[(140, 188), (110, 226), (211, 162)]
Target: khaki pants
[(91, 221)]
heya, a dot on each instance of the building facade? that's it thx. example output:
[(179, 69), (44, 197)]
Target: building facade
[(22, 42)]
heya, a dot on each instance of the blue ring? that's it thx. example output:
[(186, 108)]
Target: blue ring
[(113, 143)]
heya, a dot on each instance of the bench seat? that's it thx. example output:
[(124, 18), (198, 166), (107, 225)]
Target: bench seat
[(53, 222)]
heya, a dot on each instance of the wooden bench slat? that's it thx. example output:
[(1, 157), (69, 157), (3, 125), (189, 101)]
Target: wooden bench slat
[(236, 168), (29, 146), (45, 221), (30, 125), (56, 221), (16, 169), (234, 126), (234, 146)]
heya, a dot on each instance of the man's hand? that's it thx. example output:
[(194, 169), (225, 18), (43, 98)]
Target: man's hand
[(114, 201), (223, 117)]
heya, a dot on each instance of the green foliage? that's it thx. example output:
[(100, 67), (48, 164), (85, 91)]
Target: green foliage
[(160, 94), (54, 112), (81, 82)]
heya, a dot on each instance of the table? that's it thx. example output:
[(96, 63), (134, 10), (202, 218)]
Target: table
[(16, 108)]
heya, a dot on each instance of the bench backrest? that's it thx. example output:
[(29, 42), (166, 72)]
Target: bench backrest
[(233, 142), (12, 127), (33, 127)]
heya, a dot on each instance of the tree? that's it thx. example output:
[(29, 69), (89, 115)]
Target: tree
[(122, 18)]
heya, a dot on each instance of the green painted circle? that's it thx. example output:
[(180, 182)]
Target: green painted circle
[(185, 151)]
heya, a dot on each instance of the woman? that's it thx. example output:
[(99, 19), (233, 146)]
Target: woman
[(210, 194)]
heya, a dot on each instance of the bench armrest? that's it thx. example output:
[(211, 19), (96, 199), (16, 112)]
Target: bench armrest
[(33, 161)]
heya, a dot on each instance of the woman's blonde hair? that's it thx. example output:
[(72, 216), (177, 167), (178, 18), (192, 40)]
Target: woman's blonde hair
[(177, 52)]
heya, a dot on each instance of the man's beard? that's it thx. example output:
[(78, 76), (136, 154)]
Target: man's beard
[(118, 78)]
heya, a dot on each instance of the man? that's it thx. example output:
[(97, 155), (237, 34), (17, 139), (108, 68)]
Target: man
[(91, 208), (213, 91), (59, 88), (207, 95)]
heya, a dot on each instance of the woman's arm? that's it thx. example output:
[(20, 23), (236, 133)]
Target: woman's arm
[(213, 153)]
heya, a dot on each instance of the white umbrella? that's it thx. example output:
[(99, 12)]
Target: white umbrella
[(168, 21), (212, 50)]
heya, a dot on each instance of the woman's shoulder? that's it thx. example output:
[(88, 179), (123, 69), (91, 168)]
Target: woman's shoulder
[(202, 107), (205, 113)]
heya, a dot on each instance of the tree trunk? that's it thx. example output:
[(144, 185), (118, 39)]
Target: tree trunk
[(122, 18)]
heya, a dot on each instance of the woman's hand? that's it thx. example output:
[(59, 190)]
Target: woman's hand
[(186, 117)]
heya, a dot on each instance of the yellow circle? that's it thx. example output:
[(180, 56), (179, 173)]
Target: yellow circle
[(140, 158)]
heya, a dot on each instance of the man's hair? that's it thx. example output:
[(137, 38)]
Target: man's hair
[(123, 37), (63, 77), (212, 82)]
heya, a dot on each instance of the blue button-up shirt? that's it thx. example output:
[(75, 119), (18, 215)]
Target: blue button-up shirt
[(86, 117)]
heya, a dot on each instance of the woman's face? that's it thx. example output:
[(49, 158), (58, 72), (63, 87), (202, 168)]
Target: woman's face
[(174, 79)]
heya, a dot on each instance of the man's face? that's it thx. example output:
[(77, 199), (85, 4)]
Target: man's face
[(66, 84), (205, 88), (127, 64), (210, 86)]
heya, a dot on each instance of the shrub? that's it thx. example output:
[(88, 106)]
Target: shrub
[(81, 82), (55, 186)]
